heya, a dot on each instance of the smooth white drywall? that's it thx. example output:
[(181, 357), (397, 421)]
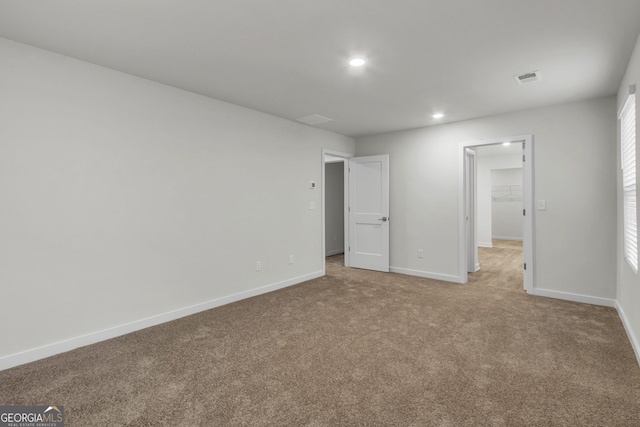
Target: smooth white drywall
[(628, 281), (123, 199), (507, 221), (334, 208), (574, 171), (485, 164)]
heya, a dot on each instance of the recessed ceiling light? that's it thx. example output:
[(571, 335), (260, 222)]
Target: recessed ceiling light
[(357, 62), (506, 143), (438, 116)]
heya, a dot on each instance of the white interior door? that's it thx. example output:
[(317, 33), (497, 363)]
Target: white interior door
[(369, 212)]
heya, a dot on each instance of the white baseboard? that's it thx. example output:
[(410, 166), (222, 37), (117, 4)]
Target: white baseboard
[(334, 252), (426, 274), (586, 299), (38, 353), (485, 245), (627, 327), (519, 239)]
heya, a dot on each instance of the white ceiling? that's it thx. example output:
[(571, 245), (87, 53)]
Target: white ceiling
[(289, 57)]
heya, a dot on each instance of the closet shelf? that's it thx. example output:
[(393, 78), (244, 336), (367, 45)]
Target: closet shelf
[(506, 193)]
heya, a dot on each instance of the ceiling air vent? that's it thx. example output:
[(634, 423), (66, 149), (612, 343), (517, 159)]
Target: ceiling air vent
[(313, 119), (527, 78)]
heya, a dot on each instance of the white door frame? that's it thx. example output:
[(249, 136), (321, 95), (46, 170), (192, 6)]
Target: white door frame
[(345, 156), (471, 211), (528, 197)]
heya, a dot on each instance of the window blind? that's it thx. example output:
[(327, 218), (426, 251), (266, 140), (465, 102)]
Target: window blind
[(628, 154)]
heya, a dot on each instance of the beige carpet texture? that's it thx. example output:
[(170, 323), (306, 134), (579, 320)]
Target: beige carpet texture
[(353, 348)]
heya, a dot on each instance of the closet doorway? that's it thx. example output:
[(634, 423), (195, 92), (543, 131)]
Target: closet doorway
[(497, 219)]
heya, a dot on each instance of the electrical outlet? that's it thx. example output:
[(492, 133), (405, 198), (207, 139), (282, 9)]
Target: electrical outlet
[(258, 266), (420, 253), (290, 259)]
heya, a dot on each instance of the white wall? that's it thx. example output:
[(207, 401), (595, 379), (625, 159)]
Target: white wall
[(575, 237), (334, 208), (124, 199), (486, 163), (507, 221), (629, 282)]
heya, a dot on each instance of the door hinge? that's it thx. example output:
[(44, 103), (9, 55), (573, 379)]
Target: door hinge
[(525, 265), (349, 209), (523, 157), (524, 212), (349, 248)]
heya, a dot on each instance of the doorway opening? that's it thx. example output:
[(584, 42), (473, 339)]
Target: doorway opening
[(497, 215), (334, 206), (365, 210), (497, 199), (335, 192)]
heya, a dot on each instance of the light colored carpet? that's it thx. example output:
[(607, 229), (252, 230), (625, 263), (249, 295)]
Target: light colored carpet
[(354, 348)]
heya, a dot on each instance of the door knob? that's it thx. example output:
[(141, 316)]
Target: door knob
[(383, 219)]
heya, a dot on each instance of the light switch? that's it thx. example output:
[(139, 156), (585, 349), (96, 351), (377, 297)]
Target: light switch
[(312, 205), (541, 205)]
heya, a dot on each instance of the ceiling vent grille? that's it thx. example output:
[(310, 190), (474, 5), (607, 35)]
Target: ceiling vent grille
[(526, 78), (313, 119)]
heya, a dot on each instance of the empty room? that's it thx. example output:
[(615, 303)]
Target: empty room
[(319, 213)]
